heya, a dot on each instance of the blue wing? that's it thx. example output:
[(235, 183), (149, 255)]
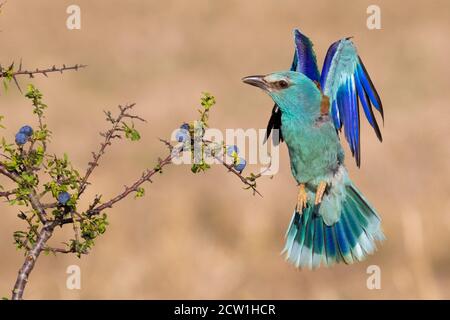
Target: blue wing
[(304, 61), (304, 57), (345, 81)]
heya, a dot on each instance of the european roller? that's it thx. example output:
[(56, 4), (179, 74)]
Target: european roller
[(332, 222)]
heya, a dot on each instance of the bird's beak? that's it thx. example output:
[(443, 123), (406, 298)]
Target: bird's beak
[(257, 81)]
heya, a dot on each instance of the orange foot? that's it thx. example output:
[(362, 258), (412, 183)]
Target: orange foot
[(302, 198), (320, 192)]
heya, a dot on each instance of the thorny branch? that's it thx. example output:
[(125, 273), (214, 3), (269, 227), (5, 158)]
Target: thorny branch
[(146, 177), (96, 207), (248, 181), (109, 135), (34, 248), (10, 73), (21, 167), (6, 194), (44, 217)]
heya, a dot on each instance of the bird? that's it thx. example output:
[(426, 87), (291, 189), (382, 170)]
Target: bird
[(333, 222)]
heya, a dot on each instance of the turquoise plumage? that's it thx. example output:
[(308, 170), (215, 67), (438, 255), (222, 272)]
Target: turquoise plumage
[(332, 221)]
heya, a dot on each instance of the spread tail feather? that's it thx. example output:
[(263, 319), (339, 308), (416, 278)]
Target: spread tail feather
[(310, 241)]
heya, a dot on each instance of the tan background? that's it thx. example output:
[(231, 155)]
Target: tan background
[(202, 236)]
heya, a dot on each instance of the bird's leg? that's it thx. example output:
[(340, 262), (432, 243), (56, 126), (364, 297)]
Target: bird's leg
[(302, 198), (320, 192)]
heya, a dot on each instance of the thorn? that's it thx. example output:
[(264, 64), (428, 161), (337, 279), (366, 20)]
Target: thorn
[(17, 84)]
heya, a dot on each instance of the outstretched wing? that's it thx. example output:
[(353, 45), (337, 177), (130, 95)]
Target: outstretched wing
[(305, 62), (345, 81), (304, 57)]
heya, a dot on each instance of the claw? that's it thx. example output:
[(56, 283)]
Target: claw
[(302, 198), (320, 192)]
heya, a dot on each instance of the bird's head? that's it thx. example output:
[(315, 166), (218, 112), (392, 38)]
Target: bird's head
[(292, 91)]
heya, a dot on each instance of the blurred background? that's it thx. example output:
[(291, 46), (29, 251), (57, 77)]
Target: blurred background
[(203, 236)]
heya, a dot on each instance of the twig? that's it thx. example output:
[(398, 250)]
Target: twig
[(108, 136), (59, 250), (246, 180), (6, 194), (146, 176), (30, 222), (13, 176), (8, 73), (45, 72), (249, 181)]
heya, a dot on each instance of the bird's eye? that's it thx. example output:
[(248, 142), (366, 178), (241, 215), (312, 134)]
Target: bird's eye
[(283, 84)]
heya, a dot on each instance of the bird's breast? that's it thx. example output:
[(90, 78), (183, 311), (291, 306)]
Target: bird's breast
[(313, 150)]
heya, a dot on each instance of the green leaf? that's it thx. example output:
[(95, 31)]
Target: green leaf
[(140, 192), (130, 132), (207, 100)]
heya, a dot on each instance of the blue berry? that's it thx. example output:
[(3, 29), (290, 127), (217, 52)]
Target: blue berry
[(185, 126), (26, 130), (63, 197), (231, 150), (240, 165), (182, 135), (21, 138)]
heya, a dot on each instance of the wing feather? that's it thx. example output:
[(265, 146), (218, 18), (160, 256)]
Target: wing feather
[(346, 82)]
